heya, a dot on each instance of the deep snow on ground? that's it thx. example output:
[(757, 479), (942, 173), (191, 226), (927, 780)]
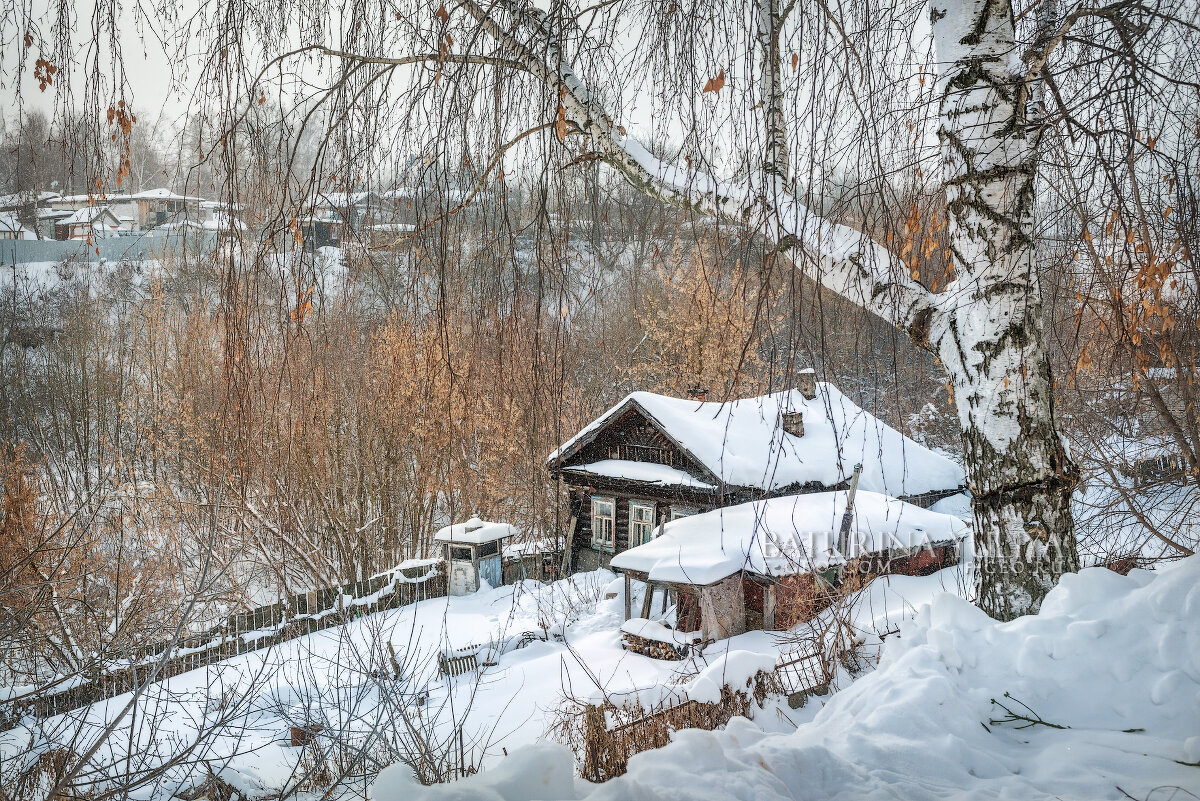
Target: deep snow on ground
[(332, 677), (1115, 660)]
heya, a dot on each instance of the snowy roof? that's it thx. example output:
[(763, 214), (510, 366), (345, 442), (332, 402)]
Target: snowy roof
[(10, 223), (475, 532), (25, 198), (97, 198), (783, 536), (343, 199), (742, 443), (88, 215), (648, 472), (162, 193), (530, 547)]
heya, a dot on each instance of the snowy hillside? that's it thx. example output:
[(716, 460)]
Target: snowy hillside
[(1096, 697), (341, 679)]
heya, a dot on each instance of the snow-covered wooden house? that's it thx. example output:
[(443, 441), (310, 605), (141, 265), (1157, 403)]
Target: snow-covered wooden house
[(161, 206), (651, 459), (91, 222), (771, 564), (11, 227)]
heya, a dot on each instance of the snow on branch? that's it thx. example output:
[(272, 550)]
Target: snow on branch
[(838, 257)]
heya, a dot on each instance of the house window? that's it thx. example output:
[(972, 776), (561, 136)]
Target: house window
[(604, 522), (678, 511), (641, 522)]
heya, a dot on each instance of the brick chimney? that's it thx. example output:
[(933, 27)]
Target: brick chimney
[(792, 423), (698, 394), (806, 382)]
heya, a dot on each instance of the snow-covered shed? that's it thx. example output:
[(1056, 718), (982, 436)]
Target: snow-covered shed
[(652, 458), (91, 222), (11, 227), (759, 565), (473, 553)]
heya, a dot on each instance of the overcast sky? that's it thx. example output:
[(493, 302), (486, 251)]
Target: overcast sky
[(150, 70)]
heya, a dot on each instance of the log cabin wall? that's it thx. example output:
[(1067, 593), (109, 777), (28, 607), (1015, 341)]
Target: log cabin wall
[(631, 437), (585, 556)]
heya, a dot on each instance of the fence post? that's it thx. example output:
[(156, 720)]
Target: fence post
[(596, 741)]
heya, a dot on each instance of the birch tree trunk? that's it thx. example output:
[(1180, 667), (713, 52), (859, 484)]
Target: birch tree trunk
[(989, 329)]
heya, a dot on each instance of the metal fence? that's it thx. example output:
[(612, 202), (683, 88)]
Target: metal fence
[(140, 247)]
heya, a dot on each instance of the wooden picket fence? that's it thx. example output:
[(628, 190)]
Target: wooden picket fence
[(255, 630), (606, 750), (457, 665)]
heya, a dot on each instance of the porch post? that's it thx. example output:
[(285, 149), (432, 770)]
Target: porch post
[(648, 599), (769, 608), (628, 599)]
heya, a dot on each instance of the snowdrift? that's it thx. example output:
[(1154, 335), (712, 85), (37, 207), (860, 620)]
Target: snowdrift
[(1113, 663)]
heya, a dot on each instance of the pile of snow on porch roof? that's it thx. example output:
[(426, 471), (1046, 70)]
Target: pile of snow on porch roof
[(743, 444), (783, 536), (475, 532)]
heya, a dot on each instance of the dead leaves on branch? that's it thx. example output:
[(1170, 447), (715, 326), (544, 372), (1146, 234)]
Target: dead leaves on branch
[(43, 73), (716, 84), (121, 117)]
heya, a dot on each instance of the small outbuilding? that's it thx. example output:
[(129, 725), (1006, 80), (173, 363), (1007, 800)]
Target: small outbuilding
[(11, 227), (90, 223), (773, 563), (473, 553)]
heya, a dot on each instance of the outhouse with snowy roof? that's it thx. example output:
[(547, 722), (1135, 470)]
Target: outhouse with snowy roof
[(651, 459), (773, 563), (473, 552)]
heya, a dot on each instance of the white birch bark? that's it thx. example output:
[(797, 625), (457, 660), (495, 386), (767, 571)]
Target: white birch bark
[(989, 331)]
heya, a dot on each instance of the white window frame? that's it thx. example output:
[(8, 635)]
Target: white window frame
[(598, 539), (682, 510), (648, 533)]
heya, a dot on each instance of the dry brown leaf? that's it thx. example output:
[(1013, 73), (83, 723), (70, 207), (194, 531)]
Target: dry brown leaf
[(560, 125), (715, 85), (1084, 362)]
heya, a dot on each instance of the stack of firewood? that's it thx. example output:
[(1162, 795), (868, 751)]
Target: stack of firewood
[(654, 648)]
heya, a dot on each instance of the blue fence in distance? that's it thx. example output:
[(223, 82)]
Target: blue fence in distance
[(121, 248)]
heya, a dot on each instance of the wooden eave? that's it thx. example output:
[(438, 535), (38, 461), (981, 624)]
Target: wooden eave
[(556, 464), (634, 487)]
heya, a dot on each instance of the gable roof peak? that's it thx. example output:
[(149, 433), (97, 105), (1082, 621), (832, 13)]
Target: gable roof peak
[(744, 442)]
